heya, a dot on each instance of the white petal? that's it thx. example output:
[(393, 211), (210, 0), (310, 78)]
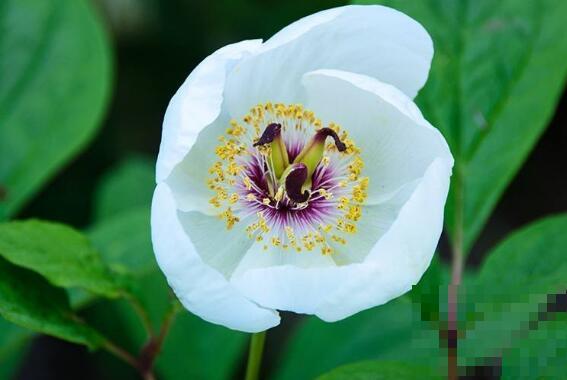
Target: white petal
[(396, 262), (374, 223), (372, 40), (400, 257), (410, 164), (200, 288), (397, 143), (197, 104), (224, 251)]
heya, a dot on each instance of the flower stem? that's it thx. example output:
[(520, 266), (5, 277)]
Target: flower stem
[(456, 275), (120, 353), (141, 312), (144, 363), (255, 355), (152, 349)]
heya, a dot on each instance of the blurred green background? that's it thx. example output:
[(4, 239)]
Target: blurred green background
[(156, 43)]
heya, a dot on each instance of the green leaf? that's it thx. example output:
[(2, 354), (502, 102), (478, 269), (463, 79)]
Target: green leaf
[(498, 72), (29, 301), (531, 259), (124, 241), (64, 256), (129, 185), (380, 370), (56, 69), (514, 299)]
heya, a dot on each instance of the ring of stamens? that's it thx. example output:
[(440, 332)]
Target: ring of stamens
[(248, 184)]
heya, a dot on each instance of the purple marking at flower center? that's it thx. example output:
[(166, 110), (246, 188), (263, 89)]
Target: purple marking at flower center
[(284, 213), (250, 181)]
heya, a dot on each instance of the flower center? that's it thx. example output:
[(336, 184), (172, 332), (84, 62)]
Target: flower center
[(295, 188)]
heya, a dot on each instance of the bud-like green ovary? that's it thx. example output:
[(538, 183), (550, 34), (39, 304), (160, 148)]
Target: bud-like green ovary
[(312, 153), (279, 159), (304, 164)]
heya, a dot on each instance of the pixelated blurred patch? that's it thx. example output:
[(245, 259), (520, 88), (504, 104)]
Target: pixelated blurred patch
[(430, 294), (518, 303)]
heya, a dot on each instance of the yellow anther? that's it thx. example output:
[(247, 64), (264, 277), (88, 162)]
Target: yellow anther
[(229, 218), (349, 228), (359, 193), (247, 183), (354, 213), (338, 239), (215, 202), (326, 250), (335, 127), (279, 194), (229, 175), (233, 168), (326, 227), (235, 129), (290, 235)]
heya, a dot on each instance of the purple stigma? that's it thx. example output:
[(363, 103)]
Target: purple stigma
[(323, 133), (272, 131), (294, 181)]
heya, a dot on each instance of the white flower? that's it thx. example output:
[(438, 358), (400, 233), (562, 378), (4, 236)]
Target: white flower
[(297, 174)]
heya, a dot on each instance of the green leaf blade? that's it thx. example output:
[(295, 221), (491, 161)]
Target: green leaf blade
[(57, 69), (29, 301), (529, 260), (58, 252)]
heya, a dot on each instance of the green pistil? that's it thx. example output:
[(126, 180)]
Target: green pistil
[(278, 151), (297, 177), (312, 153)]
